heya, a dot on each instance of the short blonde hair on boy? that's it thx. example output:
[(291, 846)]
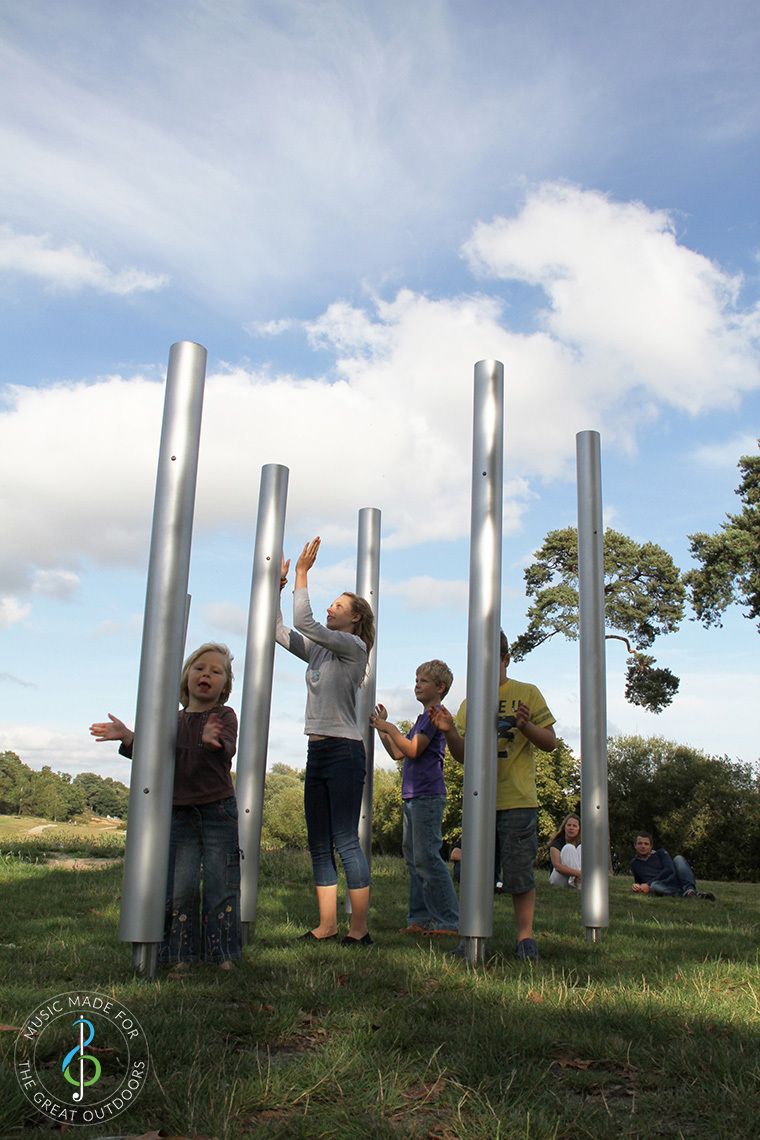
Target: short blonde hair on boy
[(208, 647), (438, 672)]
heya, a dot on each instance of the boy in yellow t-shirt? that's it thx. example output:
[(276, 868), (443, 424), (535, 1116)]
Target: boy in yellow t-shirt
[(524, 721)]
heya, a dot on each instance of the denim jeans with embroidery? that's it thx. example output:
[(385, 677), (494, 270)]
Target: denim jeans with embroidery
[(203, 890)]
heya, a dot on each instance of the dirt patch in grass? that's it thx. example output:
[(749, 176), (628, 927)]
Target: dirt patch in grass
[(79, 863)]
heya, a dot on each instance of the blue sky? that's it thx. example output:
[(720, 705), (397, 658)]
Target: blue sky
[(349, 205)]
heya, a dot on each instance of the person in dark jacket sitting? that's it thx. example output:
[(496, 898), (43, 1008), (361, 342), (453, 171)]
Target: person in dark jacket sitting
[(655, 873)]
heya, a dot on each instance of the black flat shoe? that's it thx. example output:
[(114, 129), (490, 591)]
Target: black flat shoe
[(309, 937), (349, 941)]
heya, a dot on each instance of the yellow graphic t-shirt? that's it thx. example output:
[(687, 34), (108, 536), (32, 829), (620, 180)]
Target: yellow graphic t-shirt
[(516, 772)]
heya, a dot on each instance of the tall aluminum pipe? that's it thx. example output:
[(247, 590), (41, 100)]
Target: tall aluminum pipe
[(146, 862), (256, 700), (593, 687), (368, 586), (479, 795)]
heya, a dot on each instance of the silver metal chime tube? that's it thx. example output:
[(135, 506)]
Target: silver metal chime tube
[(256, 699), (593, 688), (479, 795), (368, 586), (146, 862)]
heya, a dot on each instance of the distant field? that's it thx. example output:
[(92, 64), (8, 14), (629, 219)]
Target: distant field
[(29, 837), (19, 824)]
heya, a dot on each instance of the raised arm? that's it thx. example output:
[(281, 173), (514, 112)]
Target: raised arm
[(395, 743), (544, 737), (288, 638), (112, 729), (444, 721)]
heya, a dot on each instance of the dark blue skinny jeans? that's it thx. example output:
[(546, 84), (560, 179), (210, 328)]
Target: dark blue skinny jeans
[(203, 916), (332, 799)]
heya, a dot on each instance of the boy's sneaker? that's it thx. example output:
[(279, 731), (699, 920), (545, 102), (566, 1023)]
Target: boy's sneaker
[(706, 895), (526, 951), (690, 894)]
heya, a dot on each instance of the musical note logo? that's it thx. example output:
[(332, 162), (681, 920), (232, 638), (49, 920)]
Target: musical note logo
[(78, 1053)]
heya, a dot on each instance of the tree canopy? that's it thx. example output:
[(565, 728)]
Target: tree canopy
[(644, 598), (729, 561), (706, 808), (55, 795)]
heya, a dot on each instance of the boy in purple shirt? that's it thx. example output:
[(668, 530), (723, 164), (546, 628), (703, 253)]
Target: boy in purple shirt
[(433, 903)]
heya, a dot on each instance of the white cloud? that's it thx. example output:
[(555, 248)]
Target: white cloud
[(391, 426), (69, 267), (728, 452), (88, 454), (269, 328), (60, 584), (428, 593), (640, 314), (12, 611), (225, 617)]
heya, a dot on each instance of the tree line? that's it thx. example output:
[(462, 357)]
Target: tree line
[(57, 796), (706, 808)]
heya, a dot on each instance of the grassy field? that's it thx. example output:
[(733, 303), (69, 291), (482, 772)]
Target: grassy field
[(32, 840), (653, 1033)]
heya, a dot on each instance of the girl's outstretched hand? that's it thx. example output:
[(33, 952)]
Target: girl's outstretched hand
[(112, 729), (306, 560), (212, 731)]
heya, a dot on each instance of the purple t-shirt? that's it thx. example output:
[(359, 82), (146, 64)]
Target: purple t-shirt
[(424, 776)]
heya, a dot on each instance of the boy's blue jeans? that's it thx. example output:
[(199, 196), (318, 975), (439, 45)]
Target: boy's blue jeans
[(203, 922), (332, 798), (685, 876), (433, 901)]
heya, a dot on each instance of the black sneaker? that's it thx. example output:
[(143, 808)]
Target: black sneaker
[(706, 895), (526, 950)]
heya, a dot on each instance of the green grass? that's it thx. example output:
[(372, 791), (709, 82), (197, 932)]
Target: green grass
[(651, 1033)]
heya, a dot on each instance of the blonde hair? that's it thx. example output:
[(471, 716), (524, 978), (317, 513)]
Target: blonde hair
[(438, 672), (207, 647)]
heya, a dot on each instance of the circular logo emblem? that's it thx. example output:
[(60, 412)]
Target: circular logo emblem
[(81, 1058)]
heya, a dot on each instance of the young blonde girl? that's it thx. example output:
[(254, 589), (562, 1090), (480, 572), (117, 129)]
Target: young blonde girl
[(203, 888)]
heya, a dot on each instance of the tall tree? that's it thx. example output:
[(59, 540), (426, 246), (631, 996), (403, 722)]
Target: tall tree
[(15, 780), (729, 561), (644, 597)]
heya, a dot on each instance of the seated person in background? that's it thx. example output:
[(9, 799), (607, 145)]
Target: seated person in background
[(655, 873), (565, 853)]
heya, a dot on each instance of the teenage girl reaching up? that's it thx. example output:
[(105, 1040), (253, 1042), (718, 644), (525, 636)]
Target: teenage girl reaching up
[(336, 654)]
